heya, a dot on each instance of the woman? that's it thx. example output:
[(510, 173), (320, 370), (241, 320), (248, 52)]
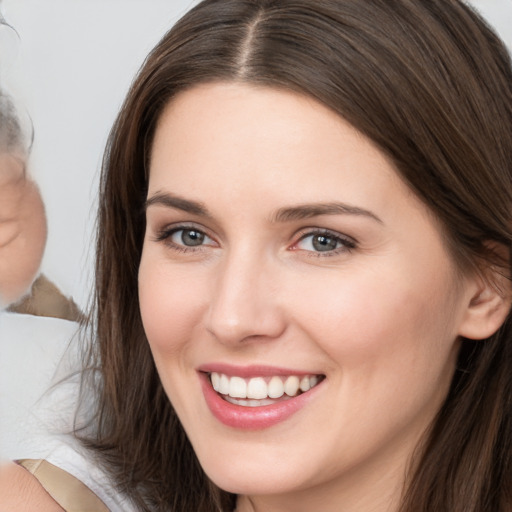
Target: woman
[(303, 288)]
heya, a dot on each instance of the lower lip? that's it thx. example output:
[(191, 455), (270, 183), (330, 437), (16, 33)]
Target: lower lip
[(252, 418)]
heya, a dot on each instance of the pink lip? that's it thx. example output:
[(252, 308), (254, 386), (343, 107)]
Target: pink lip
[(251, 371), (253, 418)]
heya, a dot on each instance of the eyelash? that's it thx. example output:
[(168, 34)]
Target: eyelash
[(165, 236), (347, 244)]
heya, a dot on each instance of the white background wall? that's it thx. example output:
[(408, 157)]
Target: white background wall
[(75, 62)]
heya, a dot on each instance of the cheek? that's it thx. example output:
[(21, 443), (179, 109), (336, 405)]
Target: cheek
[(368, 320), (170, 304), (391, 350)]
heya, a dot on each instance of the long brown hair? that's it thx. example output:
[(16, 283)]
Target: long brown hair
[(431, 85)]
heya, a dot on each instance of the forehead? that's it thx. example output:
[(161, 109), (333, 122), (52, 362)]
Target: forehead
[(257, 137)]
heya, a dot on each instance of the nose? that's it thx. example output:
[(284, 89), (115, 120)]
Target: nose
[(244, 303)]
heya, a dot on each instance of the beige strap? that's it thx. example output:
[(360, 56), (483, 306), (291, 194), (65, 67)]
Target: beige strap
[(71, 494)]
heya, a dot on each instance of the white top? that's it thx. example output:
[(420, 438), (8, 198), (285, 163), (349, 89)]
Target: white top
[(37, 410)]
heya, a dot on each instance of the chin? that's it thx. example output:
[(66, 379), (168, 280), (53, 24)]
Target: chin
[(252, 484), (243, 477)]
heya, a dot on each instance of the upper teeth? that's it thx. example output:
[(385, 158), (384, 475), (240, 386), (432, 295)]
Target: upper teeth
[(260, 387)]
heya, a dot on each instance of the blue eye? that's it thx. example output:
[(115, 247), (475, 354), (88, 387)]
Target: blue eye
[(324, 242)]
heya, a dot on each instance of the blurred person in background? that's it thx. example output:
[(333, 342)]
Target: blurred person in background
[(23, 227), (35, 326)]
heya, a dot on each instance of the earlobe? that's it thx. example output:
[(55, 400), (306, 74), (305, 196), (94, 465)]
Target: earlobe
[(487, 308)]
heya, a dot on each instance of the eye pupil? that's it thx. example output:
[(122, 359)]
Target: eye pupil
[(324, 243), (192, 237)]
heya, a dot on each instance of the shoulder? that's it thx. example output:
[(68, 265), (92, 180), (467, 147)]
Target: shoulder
[(21, 491)]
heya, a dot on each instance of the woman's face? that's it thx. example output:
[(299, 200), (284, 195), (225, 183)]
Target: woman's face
[(282, 250)]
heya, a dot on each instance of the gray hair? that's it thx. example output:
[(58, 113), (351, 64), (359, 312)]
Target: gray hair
[(15, 132), (10, 129)]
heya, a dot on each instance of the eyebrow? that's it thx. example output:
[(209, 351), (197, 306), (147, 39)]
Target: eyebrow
[(306, 211), (178, 203), (286, 214)]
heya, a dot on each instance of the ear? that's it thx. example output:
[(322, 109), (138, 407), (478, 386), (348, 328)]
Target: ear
[(488, 306)]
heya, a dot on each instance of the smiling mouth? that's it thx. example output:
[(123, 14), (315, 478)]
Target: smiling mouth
[(261, 391)]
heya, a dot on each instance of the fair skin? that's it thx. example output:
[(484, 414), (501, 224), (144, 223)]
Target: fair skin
[(365, 297), (22, 229), (22, 492)]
